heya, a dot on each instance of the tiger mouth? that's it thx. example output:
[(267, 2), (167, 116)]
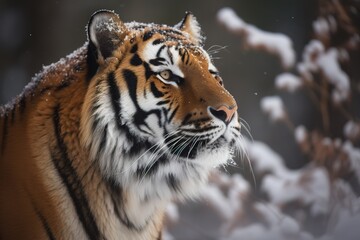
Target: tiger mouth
[(185, 146)]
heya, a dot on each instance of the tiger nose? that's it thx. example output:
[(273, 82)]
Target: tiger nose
[(224, 113)]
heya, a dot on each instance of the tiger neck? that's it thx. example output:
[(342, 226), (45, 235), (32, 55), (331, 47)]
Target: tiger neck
[(104, 207), (135, 213)]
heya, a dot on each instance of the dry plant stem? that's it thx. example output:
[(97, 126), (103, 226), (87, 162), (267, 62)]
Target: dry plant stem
[(324, 100), (311, 89), (289, 124), (344, 19), (346, 113)]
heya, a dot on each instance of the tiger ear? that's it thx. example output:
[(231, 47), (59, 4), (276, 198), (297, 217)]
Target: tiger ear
[(190, 25), (105, 33)]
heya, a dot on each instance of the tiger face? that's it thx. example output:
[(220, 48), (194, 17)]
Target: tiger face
[(157, 108)]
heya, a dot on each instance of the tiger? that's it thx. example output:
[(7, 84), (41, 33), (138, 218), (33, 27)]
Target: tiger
[(99, 143)]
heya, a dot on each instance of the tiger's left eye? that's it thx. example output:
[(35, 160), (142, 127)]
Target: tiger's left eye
[(168, 77), (166, 74)]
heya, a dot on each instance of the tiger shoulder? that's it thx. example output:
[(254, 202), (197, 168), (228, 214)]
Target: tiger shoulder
[(99, 143)]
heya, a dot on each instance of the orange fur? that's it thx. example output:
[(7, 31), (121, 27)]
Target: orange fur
[(51, 185)]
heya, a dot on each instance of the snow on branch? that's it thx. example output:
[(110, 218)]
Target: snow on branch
[(225, 194), (274, 107), (352, 130), (288, 82), (317, 59), (264, 159), (307, 187), (329, 65), (319, 200), (255, 38)]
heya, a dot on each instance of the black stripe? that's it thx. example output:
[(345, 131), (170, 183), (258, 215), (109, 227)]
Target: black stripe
[(158, 41), (188, 58), (172, 31), (117, 199), (160, 50), (176, 39), (162, 102), (155, 91), (95, 106), (115, 102), (170, 56), (91, 61), (4, 133), (173, 114), (157, 61), (185, 56), (148, 35), (71, 181), (134, 49), (201, 129), (103, 140), (165, 113), (186, 118), (151, 169), (115, 98), (172, 182), (148, 71), (45, 224), (131, 81), (96, 121), (137, 147), (140, 115), (136, 60), (157, 112)]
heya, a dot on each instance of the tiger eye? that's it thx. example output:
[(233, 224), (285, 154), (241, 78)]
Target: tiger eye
[(166, 74)]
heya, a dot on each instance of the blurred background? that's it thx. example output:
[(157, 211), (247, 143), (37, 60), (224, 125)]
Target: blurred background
[(39, 32)]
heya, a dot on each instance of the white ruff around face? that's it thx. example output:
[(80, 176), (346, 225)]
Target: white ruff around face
[(150, 170), (138, 158)]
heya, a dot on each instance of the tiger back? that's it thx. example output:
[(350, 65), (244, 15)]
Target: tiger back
[(100, 142)]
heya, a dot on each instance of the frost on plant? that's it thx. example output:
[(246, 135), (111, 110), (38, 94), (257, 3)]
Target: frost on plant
[(255, 38), (319, 200), (274, 107), (288, 82)]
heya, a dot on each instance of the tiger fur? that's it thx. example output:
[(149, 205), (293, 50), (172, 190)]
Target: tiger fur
[(100, 142)]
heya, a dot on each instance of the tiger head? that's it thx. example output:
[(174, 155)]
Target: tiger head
[(156, 106)]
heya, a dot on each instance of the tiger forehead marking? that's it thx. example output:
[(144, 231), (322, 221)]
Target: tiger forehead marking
[(135, 118), (164, 48)]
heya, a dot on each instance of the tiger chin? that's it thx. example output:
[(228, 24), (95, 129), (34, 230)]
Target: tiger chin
[(100, 142)]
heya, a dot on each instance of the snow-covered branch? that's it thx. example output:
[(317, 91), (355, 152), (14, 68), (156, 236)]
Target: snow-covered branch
[(254, 38)]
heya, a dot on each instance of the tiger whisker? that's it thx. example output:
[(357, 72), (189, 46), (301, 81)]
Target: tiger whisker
[(195, 141), (247, 128), (156, 145), (242, 145), (182, 147), (154, 157), (215, 49), (196, 138)]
